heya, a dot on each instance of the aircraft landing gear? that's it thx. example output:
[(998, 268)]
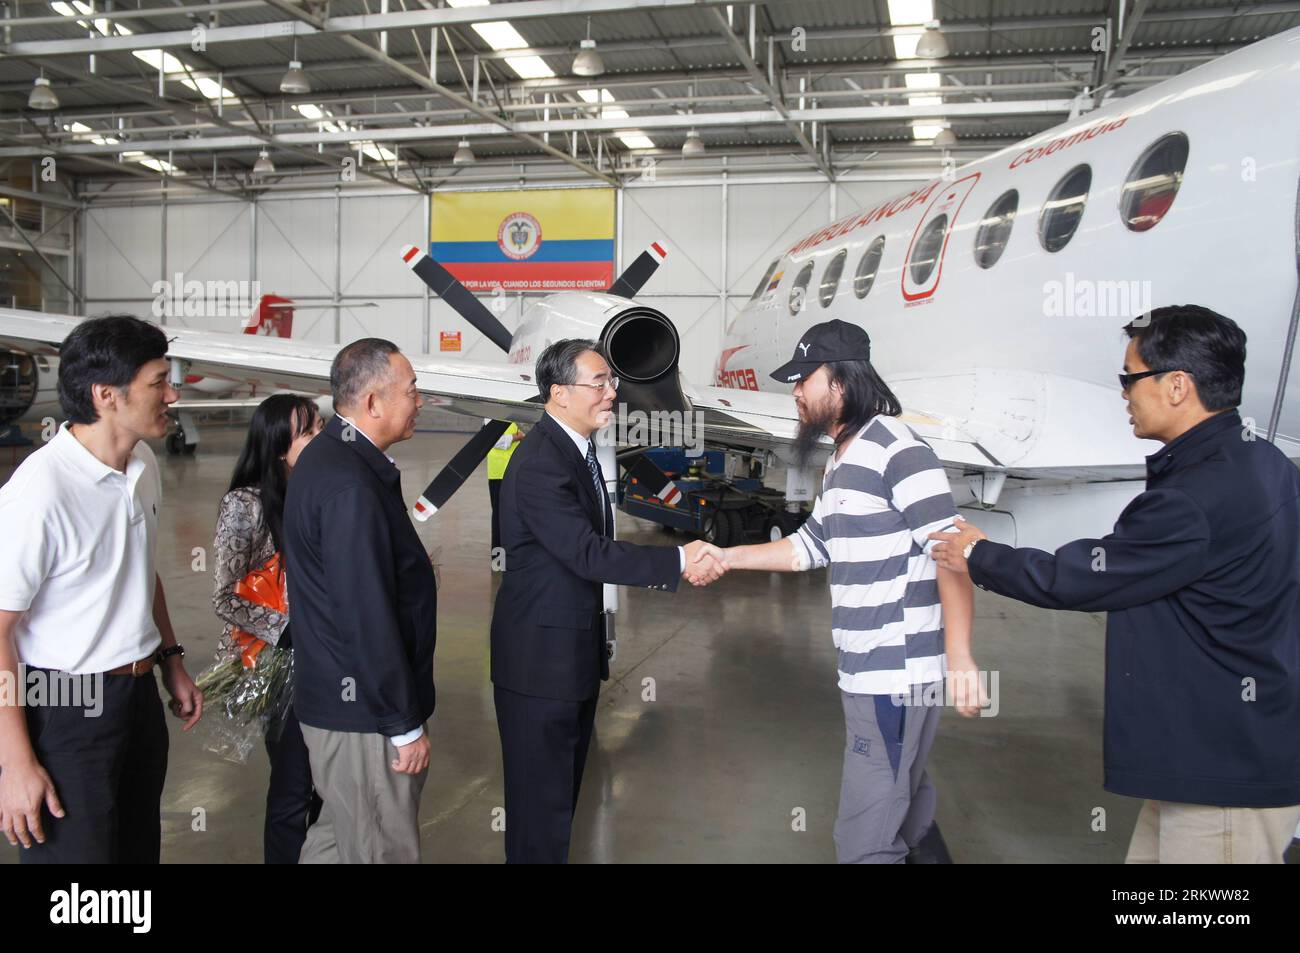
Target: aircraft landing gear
[(176, 443)]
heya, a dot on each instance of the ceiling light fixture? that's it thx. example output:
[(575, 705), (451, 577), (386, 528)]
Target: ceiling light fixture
[(42, 95), (932, 45), (588, 61), (464, 154)]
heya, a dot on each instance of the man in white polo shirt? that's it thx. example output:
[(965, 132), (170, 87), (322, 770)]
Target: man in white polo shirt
[(82, 771)]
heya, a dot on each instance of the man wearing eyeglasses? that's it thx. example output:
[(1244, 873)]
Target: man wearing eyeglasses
[(1201, 580), (548, 640)]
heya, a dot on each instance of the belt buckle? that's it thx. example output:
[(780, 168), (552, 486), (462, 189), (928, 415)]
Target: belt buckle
[(141, 671)]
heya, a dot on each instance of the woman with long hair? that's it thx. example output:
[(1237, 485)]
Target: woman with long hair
[(247, 537)]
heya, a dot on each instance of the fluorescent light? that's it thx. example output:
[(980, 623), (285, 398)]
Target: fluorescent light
[(501, 35), (530, 67), (909, 13), (81, 127), (375, 151), (634, 139), (926, 130), (923, 80)]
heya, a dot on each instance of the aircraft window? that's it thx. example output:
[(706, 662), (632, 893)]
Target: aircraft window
[(762, 282), (800, 288), (868, 265), (831, 278), (995, 229), (926, 253), (1150, 188), (1064, 208)]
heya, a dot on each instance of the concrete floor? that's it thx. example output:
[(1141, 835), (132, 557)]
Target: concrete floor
[(744, 727)]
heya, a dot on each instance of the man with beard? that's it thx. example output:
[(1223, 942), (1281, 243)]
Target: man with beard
[(897, 623)]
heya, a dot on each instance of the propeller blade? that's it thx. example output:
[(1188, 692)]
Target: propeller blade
[(449, 480), (446, 287), (639, 272)]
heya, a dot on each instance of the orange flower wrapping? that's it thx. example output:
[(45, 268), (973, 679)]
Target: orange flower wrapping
[(265, 587)]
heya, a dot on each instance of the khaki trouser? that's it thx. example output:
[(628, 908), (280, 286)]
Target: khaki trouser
[(1169, 833), (371, 814)]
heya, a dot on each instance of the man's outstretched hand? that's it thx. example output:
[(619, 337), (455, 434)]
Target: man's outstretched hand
[(705, 563)]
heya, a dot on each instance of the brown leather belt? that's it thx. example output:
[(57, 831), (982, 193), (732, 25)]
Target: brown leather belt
[(135, 669)]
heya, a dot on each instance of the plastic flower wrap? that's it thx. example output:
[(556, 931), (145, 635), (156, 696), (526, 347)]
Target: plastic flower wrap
[(246, 694)]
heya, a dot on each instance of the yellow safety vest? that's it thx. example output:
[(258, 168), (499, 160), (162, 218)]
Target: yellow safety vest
[(498, 459)]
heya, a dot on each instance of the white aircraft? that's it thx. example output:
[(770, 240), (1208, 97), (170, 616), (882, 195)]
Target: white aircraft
[(994, 297), (29, 381)]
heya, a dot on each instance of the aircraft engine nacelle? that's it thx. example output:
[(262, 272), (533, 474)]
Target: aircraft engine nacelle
[(640, 342), (28, 387)]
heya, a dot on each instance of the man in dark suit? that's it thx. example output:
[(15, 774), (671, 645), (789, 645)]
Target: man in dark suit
[(364, 607), (548, 643)]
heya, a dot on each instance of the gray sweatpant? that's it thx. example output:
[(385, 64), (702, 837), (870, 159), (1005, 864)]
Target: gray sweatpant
[(886, 798)]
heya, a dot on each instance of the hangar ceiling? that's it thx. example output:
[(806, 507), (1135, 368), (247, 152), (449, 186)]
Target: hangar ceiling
[(191, 92)]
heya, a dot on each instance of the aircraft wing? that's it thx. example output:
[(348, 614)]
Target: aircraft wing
[(497, 390)]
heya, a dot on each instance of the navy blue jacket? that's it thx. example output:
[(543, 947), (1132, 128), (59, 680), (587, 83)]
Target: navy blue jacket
[(1201, 578), (547, 637), (361, 591)]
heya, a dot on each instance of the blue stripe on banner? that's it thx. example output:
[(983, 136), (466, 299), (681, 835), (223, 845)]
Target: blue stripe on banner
[(559, 250)]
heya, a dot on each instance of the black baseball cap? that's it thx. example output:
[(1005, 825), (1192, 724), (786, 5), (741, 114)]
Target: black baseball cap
[(824, 343)]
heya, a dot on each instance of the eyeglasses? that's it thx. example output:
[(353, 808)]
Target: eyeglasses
[(1128, 380), (599, 386)]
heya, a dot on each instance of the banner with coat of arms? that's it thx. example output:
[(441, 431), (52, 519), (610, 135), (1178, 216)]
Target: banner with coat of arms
[(526, 240)]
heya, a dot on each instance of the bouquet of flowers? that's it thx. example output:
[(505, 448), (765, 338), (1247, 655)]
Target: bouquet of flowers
[(248, 689)]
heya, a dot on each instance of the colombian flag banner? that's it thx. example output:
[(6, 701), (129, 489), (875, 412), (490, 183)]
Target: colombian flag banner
[(526, 240)]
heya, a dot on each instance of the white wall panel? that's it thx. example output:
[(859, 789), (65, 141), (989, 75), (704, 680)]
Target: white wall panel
[(374, 231), (764, 221), (689, 219), (123, 252), (209, 244), (398, 321), (295, 247)]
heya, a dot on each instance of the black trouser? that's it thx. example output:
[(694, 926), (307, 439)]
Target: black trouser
[(544, 745), (108, 770), (292, 804), (494, 494)]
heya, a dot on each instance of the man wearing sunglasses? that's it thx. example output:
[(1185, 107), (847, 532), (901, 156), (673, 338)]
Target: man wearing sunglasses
[(548, 640), (1201, 580)]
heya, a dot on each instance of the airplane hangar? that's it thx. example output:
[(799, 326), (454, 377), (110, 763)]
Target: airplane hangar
[(262, 166)]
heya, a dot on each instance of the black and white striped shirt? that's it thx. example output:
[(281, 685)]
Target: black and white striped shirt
[(878, 504)]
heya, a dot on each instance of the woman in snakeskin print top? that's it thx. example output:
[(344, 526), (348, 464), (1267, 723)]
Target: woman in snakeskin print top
[(247, 535)]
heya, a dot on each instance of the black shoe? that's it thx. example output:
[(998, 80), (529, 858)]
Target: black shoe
[(931, 849)]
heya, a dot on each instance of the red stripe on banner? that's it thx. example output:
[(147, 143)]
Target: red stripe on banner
[(534, 275)]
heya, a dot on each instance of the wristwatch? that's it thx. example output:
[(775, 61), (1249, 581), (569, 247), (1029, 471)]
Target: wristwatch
[(163, 655), (965, 553)]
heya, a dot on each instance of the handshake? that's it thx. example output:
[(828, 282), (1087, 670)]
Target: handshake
[(705, 563)]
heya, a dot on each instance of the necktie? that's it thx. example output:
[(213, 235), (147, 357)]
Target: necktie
[(596, 480)]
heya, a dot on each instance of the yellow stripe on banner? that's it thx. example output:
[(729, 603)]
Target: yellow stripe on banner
[(562, 213)]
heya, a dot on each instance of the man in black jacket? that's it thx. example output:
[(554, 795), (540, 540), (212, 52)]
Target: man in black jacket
[(1201, 578), (364, 607), (548, 643)]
